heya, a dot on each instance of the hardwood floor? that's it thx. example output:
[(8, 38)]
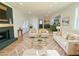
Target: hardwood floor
[(18, 47)]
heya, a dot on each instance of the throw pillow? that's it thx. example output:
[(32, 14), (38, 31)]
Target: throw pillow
[(43, 31), (33, 31), (67, 36), (70, 37), (63, 35)]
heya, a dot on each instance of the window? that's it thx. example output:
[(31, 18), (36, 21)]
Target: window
[(77, 20), (41, 21)]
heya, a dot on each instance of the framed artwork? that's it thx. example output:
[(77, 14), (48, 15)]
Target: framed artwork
[(47, 19), (65, 21), (57, 19)]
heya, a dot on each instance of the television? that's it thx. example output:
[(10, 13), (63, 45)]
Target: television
[(3, 14)]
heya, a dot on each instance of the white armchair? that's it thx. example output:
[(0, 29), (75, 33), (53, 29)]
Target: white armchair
[(33, 33), (43, 33)]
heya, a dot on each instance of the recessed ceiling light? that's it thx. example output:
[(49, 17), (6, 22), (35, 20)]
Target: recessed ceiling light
[(21, 3)]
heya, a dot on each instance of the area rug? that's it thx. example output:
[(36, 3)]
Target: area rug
[(34, 52)]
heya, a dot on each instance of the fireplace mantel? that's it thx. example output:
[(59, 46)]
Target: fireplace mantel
[(4, 20), (6, 25)]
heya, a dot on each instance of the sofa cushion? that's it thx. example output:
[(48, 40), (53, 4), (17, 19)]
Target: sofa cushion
[(72, 37)]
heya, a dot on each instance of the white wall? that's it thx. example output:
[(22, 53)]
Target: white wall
[(18, 19), (68, 11)]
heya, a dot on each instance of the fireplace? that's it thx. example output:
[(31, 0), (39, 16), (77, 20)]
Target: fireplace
[(6, 29), (4, 35)]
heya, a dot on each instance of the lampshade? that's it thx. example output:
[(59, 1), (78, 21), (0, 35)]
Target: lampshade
[(58, 27)]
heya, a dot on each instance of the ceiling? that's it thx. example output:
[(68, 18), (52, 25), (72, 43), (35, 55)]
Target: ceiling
[(39, 8)]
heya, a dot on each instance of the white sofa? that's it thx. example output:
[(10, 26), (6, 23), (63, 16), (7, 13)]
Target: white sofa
[(67, 44)]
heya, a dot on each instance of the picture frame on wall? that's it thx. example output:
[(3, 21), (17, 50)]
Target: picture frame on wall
[(57, 19), (65, 21)]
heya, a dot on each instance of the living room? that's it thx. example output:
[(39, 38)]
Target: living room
[(39, 28)]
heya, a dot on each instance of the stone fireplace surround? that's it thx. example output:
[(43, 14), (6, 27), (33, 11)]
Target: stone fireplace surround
[(6, 36)]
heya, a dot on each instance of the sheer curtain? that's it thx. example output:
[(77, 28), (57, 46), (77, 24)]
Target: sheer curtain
[(25, 26), (77, 19)]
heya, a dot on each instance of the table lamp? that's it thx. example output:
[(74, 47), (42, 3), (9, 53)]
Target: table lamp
[(58, 28)]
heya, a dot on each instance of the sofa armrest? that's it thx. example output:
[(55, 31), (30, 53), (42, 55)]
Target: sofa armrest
[(72, 48)]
